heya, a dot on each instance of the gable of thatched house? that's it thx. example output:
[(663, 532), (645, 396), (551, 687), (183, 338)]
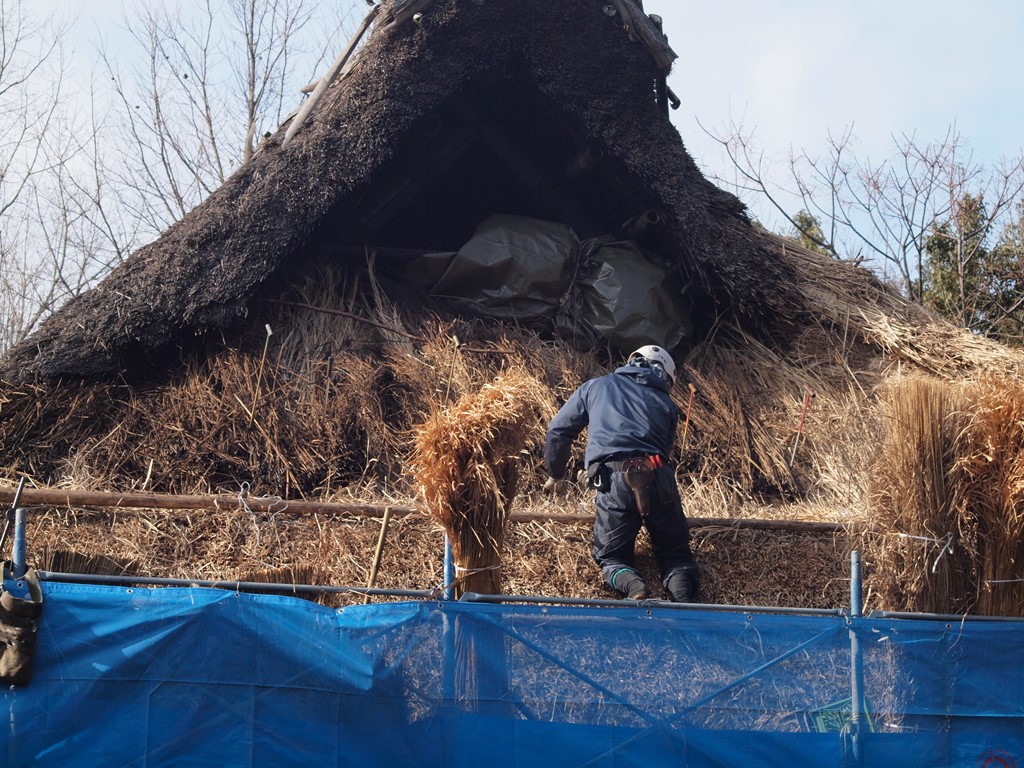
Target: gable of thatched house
[(532, 108), (540, 111)]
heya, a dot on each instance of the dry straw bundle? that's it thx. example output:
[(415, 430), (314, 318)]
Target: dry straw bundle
[(466, 461), (990, 492), (949, 498), (920, 548), (783, 423)]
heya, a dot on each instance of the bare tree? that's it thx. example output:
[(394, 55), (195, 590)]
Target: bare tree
[(887, 212), (87, 177), (31, 101), (210, 84)]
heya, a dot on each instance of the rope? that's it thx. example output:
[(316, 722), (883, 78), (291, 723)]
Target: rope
[(947, 545), (243, 493), (462, 573), (471, 571), (244, 506)]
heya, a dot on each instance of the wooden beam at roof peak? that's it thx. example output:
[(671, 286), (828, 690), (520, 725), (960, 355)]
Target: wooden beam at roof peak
[(640, 24), (404, 10)]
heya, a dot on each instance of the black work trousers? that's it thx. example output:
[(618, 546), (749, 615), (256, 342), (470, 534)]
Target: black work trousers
[(618, 522)]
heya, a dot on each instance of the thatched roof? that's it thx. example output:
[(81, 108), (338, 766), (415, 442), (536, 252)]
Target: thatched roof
[(478, 107), (546, 110)]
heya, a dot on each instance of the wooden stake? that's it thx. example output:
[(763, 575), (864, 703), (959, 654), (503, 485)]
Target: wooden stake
[(686, 424), (259, 376), (385, 521), (808, 394)]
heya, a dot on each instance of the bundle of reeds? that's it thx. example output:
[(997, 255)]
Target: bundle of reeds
[(921, 547), (990, 492), (949, 498), (727, 442), (289, 575), (466, 463), (70, 561)]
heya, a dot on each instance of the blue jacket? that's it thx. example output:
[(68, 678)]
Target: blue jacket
[(626, 413)]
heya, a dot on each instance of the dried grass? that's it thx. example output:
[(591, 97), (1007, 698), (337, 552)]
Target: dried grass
[(466, 462), (352, 371), (938, 348), (990, 492), (738, 567), (949, 500), (749, 434), (847, 296), (922, 551)]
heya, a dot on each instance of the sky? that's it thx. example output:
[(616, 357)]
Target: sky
[(792, 72)]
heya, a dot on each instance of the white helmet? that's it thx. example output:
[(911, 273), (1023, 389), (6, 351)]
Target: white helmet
[(656, 356)]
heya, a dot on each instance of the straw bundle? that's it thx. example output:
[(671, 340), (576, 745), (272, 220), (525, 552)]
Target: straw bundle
[(70, 561), (991, 492), (949, 498), (853, 298), (291, 575), (922, 548), (939, 347), (466, 465)]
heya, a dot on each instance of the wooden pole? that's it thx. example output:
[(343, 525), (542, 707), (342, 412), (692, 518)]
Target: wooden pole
[(57, 497), (808, 394), (372, 581), (404, 10), (689, 407), (324, 83), (641, 25)]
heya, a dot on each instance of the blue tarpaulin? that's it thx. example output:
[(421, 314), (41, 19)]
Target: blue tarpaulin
[(206, 677)]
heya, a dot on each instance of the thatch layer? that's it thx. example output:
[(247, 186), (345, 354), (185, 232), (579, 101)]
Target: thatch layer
[(203, 272), (737, 567), (335, 402)]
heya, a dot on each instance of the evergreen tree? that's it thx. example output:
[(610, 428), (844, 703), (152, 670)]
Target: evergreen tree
[(807, 231), (975, 286)]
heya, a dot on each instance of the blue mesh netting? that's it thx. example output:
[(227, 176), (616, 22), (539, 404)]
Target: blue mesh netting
[(183, 677)]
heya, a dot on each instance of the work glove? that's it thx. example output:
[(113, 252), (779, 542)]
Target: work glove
[(555, 487)]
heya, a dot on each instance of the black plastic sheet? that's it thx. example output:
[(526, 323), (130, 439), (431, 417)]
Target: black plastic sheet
[(536, 274)]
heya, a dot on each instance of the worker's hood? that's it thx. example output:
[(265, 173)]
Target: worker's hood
[(646, 375)]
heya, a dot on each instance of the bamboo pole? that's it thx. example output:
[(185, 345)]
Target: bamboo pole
[(324, 83), (372, 581), (58, 497), (270, 504)]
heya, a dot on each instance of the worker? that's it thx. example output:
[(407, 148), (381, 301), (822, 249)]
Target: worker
[(631, 425)]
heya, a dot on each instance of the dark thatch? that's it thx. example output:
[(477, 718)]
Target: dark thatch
[(481, 106)]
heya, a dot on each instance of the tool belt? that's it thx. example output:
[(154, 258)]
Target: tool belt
[(638, 473), (637, 464)]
